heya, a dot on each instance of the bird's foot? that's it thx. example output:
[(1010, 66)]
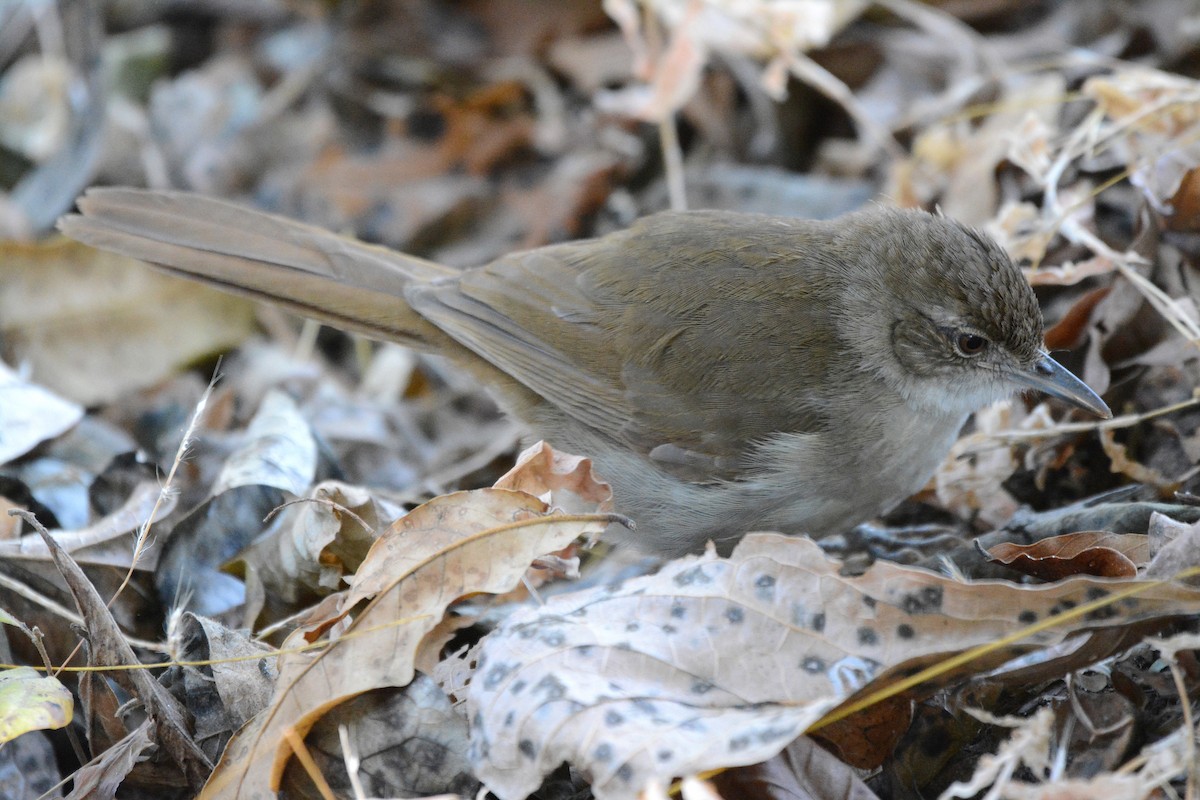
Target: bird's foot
[(861, 546)]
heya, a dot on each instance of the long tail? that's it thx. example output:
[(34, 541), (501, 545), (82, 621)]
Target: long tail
[(351, 285)]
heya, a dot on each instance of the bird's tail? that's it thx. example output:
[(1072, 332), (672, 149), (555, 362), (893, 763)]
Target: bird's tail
[(308, 270)]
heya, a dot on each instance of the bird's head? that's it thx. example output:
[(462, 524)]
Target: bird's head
[(958, 326)]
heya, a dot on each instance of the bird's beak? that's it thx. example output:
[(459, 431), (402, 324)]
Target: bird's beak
[(1048, 376)]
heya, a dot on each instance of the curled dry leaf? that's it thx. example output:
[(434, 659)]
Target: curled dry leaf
[(279, 450), (224, 694), (320, 541), (774, 32), (1176, 547), (1105, 555), (108, 541), (455, 545), (1070, 330), (562, 480), (1069, 272), (955, 162), (721, 662), (103, 775)]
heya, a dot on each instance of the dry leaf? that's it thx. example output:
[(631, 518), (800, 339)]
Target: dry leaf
[(561, 480), (94, 325), (409, 742), (459, 544), (776, 33), (30, 701), (1105, 555), (1071, 329), (108, 541), (319, 542), (279, 450), (30, 414), (801, 771), (102, 777), (222, 695), (721, 662), (1176, 546), (108, 647), (1068, 273), (36, 104), (1156, 125)]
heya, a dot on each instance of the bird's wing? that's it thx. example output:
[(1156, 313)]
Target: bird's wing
[(661, 336)]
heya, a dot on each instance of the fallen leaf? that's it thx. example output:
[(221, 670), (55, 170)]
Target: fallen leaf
[(559, 479), (108, 541), (279, 450), (30, 414), (223, 694), (317, 545), (30, 701), (410, 742), (721, 662), (1069, 331), (103, 776), (455, 545), (93, 325), (1105, 555), (801, 771), (1175, 545)]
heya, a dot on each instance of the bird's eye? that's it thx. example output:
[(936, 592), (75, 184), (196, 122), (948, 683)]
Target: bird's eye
[(970, 344)]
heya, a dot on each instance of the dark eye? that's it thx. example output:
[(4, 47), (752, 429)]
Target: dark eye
[(970, 344)]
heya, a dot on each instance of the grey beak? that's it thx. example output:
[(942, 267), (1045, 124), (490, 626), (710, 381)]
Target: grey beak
[(1048, 376)]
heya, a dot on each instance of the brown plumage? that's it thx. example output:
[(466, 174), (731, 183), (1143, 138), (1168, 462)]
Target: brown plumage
[(727, 372)]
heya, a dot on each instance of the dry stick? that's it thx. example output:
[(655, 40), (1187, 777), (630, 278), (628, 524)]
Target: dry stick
[(1123, 421), (668, 139), (1185, 706), (668, 136), (337, 508), (832, 87), (62, 611), (949, 28), (352, 762), (296, 744)]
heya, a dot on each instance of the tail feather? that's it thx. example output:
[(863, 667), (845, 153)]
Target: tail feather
[(308, 270)]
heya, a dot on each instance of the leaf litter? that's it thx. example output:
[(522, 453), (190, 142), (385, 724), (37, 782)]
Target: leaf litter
[(299, 595)]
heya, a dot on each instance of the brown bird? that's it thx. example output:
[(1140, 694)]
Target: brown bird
[(726, 372)]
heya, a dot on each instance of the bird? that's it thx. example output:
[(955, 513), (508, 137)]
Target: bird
[(726, 372)]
